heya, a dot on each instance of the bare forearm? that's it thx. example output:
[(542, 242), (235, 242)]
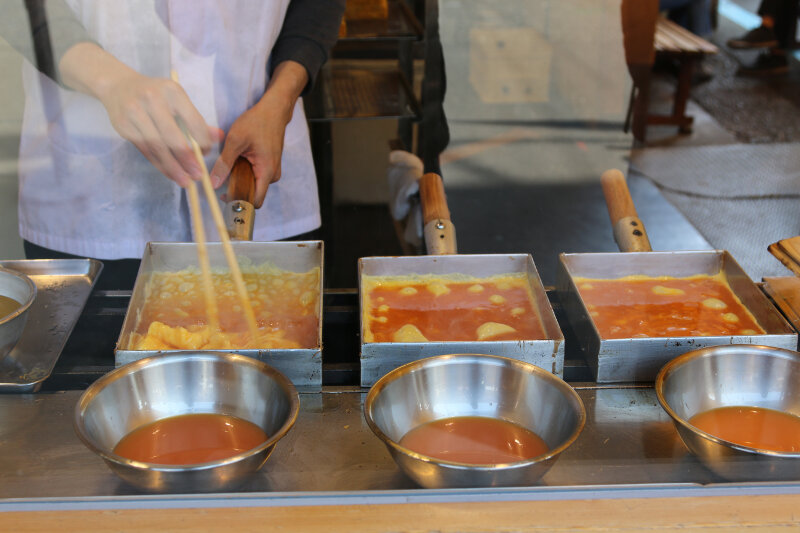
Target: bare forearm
[(286, 85), (258, 133), (141, 109), (89, 69)]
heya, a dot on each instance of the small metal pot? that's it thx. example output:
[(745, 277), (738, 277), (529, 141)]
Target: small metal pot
[(473, 385), (19, 287), (732, 375), (175, 384)]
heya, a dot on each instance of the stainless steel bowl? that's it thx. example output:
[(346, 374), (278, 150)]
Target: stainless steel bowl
[(732, 375), (19, 287), (473, 385), (175, 384)]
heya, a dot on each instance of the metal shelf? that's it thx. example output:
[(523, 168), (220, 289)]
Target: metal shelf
[(398, 24), (628, 448), (346, 91)]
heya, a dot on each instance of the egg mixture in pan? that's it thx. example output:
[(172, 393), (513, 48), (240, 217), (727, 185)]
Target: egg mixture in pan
[(633, 312), (416, 307)]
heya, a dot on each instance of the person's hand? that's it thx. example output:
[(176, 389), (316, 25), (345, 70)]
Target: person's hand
[(257, 135), (142, 109)]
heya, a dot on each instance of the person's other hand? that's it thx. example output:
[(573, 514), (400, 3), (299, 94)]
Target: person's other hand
[(142, 109), (258, 133)]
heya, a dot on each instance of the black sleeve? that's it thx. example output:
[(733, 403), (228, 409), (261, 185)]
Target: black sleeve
[(309, 31), (42, 31)]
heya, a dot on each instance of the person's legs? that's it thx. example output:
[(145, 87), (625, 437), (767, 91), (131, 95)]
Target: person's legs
[(694, 15), (779, 18), (764, 36), (699, 17), (313, 235), (677, 11), (770, 8), (784, 21), (669, 5), (767, 63)]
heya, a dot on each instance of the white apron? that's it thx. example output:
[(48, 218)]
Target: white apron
[(86, 191)]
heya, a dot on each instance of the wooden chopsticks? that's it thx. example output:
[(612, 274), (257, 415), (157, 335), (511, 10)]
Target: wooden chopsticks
[(202, 256), (202, 252)]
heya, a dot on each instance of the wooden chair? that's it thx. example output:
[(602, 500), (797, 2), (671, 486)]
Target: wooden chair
[(646, 36)]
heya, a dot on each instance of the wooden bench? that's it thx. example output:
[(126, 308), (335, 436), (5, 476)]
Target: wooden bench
[(667, 41)]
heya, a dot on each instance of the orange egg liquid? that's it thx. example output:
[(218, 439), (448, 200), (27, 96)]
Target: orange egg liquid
[(190, 439), (282, 301), (456, 315), (665, 307), (474, 440), (755, 427)]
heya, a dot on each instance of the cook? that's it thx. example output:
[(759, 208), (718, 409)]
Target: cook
[(95, 148)]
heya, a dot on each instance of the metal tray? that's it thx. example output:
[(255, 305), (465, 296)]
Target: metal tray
[(628, 446), (640, 359), (302, 366), (63, 287), (378, 358)]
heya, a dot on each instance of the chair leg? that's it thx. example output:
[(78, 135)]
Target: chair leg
[(640, 112), (629, 113), (641, 75), (682, 95)]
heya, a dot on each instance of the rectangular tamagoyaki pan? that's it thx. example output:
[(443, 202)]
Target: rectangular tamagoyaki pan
[(640, 358), (378, 358), (303, 366)]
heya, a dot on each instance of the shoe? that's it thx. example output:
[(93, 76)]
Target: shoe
[(766, 64), (761, 37)]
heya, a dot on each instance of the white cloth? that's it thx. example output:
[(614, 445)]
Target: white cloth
[(405, 170), (86, 191)]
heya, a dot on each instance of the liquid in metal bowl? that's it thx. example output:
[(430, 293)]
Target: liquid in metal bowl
[(18, 287), (473, 385), (168, 385), (727, 376)]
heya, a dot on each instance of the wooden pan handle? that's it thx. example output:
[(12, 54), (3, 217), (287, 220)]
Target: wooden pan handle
[(618, 197), (434, 201), (438, 230), (240, 210), (629, 232), (242, 182)]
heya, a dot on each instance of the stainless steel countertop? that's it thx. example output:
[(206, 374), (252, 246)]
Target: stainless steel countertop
[(628, 443)]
